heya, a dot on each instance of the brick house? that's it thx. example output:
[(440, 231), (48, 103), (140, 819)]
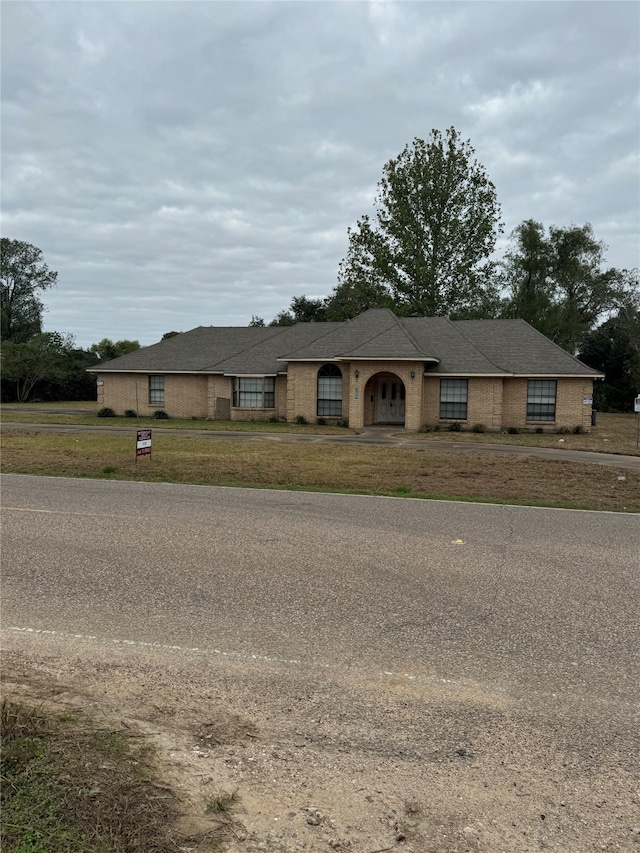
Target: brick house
[(374, 369)]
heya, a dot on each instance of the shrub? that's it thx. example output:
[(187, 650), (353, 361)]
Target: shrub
[(478, 428), (513, 431), (578, 430), (130, 413), (161, 415), (273, 419), (321, 422), (539, 430), (456, 427), (106, 412), (426, 428), (301, 419), (563, 430), (344, 423)]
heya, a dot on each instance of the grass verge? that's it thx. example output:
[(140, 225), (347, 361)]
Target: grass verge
[(362, 469), (69, 785)]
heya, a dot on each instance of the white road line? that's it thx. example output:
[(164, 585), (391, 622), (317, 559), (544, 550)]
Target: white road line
[(229, 655)]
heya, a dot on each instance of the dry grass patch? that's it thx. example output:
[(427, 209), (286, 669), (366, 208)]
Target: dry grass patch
[(71, 785), (401, 471), (614, 433)]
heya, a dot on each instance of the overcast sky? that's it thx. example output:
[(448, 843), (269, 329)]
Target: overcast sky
[(194, 163)]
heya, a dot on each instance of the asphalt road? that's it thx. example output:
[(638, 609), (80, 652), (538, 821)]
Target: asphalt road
[(382, 632), (531, 600)]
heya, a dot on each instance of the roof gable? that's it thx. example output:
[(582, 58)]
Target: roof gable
[(376, 334)]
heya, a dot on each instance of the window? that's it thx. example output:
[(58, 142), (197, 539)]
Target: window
[(453, 399), (254, 392), (156, 390), (330, 391), (541, 399)]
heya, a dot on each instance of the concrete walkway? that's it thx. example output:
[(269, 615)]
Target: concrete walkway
[(384, 436)]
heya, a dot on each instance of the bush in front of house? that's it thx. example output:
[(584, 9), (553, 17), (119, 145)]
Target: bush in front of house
[(130, 413), (455, 427), (478, 428), (161, 415), (106, 412)]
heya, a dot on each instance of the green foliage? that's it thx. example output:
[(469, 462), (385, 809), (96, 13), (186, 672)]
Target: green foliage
[(302, 310), (557, 281), (478, 428), (161, 415), (300, 419), (578, 430), (563, 430), (614, 349), (22, 274), (428, 245), (105, 412), (455, 427), (166, 336), (513, 430), (130, 413), (27, 363), (109, 469), (106, 349), (257, 321)]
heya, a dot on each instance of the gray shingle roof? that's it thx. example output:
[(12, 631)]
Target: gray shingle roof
[(464, 347), (517, 347), (376, 334)]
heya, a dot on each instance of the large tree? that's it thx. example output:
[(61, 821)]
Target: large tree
[(302, 310), (23, 274), (106, 349), (614, 348), (43, 357), (426, 249), (559, 283)]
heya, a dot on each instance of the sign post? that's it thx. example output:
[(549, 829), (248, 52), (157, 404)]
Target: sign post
[(143, 443), (636, 409)]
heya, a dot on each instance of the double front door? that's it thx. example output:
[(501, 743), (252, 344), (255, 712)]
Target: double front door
[(391, 399)]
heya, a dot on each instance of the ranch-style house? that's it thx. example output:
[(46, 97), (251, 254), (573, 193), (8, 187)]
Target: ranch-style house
[(375, 369)]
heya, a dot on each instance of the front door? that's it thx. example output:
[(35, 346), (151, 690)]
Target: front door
[(391, 396)]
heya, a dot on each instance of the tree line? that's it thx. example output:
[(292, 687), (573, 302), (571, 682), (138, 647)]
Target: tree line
[(426, 249), (46, 364)]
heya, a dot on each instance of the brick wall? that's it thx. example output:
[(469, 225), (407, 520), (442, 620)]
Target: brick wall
[(570, 409), (496, 403), (185, 395)]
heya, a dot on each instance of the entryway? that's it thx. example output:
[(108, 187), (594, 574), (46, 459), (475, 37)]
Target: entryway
[(391, 400)]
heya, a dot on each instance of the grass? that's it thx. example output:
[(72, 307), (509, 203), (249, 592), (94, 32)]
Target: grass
[(76, 413), (70, 785), (613, 433), (362, 469)]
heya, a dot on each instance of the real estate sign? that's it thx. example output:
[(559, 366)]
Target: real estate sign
[(143, 443)]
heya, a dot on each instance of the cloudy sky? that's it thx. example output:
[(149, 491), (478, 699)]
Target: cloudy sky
[(194, 163)]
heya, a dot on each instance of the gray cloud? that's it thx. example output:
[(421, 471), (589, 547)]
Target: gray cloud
[(196, 163)]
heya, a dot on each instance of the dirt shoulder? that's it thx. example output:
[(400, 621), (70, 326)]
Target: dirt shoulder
[(359, 762)]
